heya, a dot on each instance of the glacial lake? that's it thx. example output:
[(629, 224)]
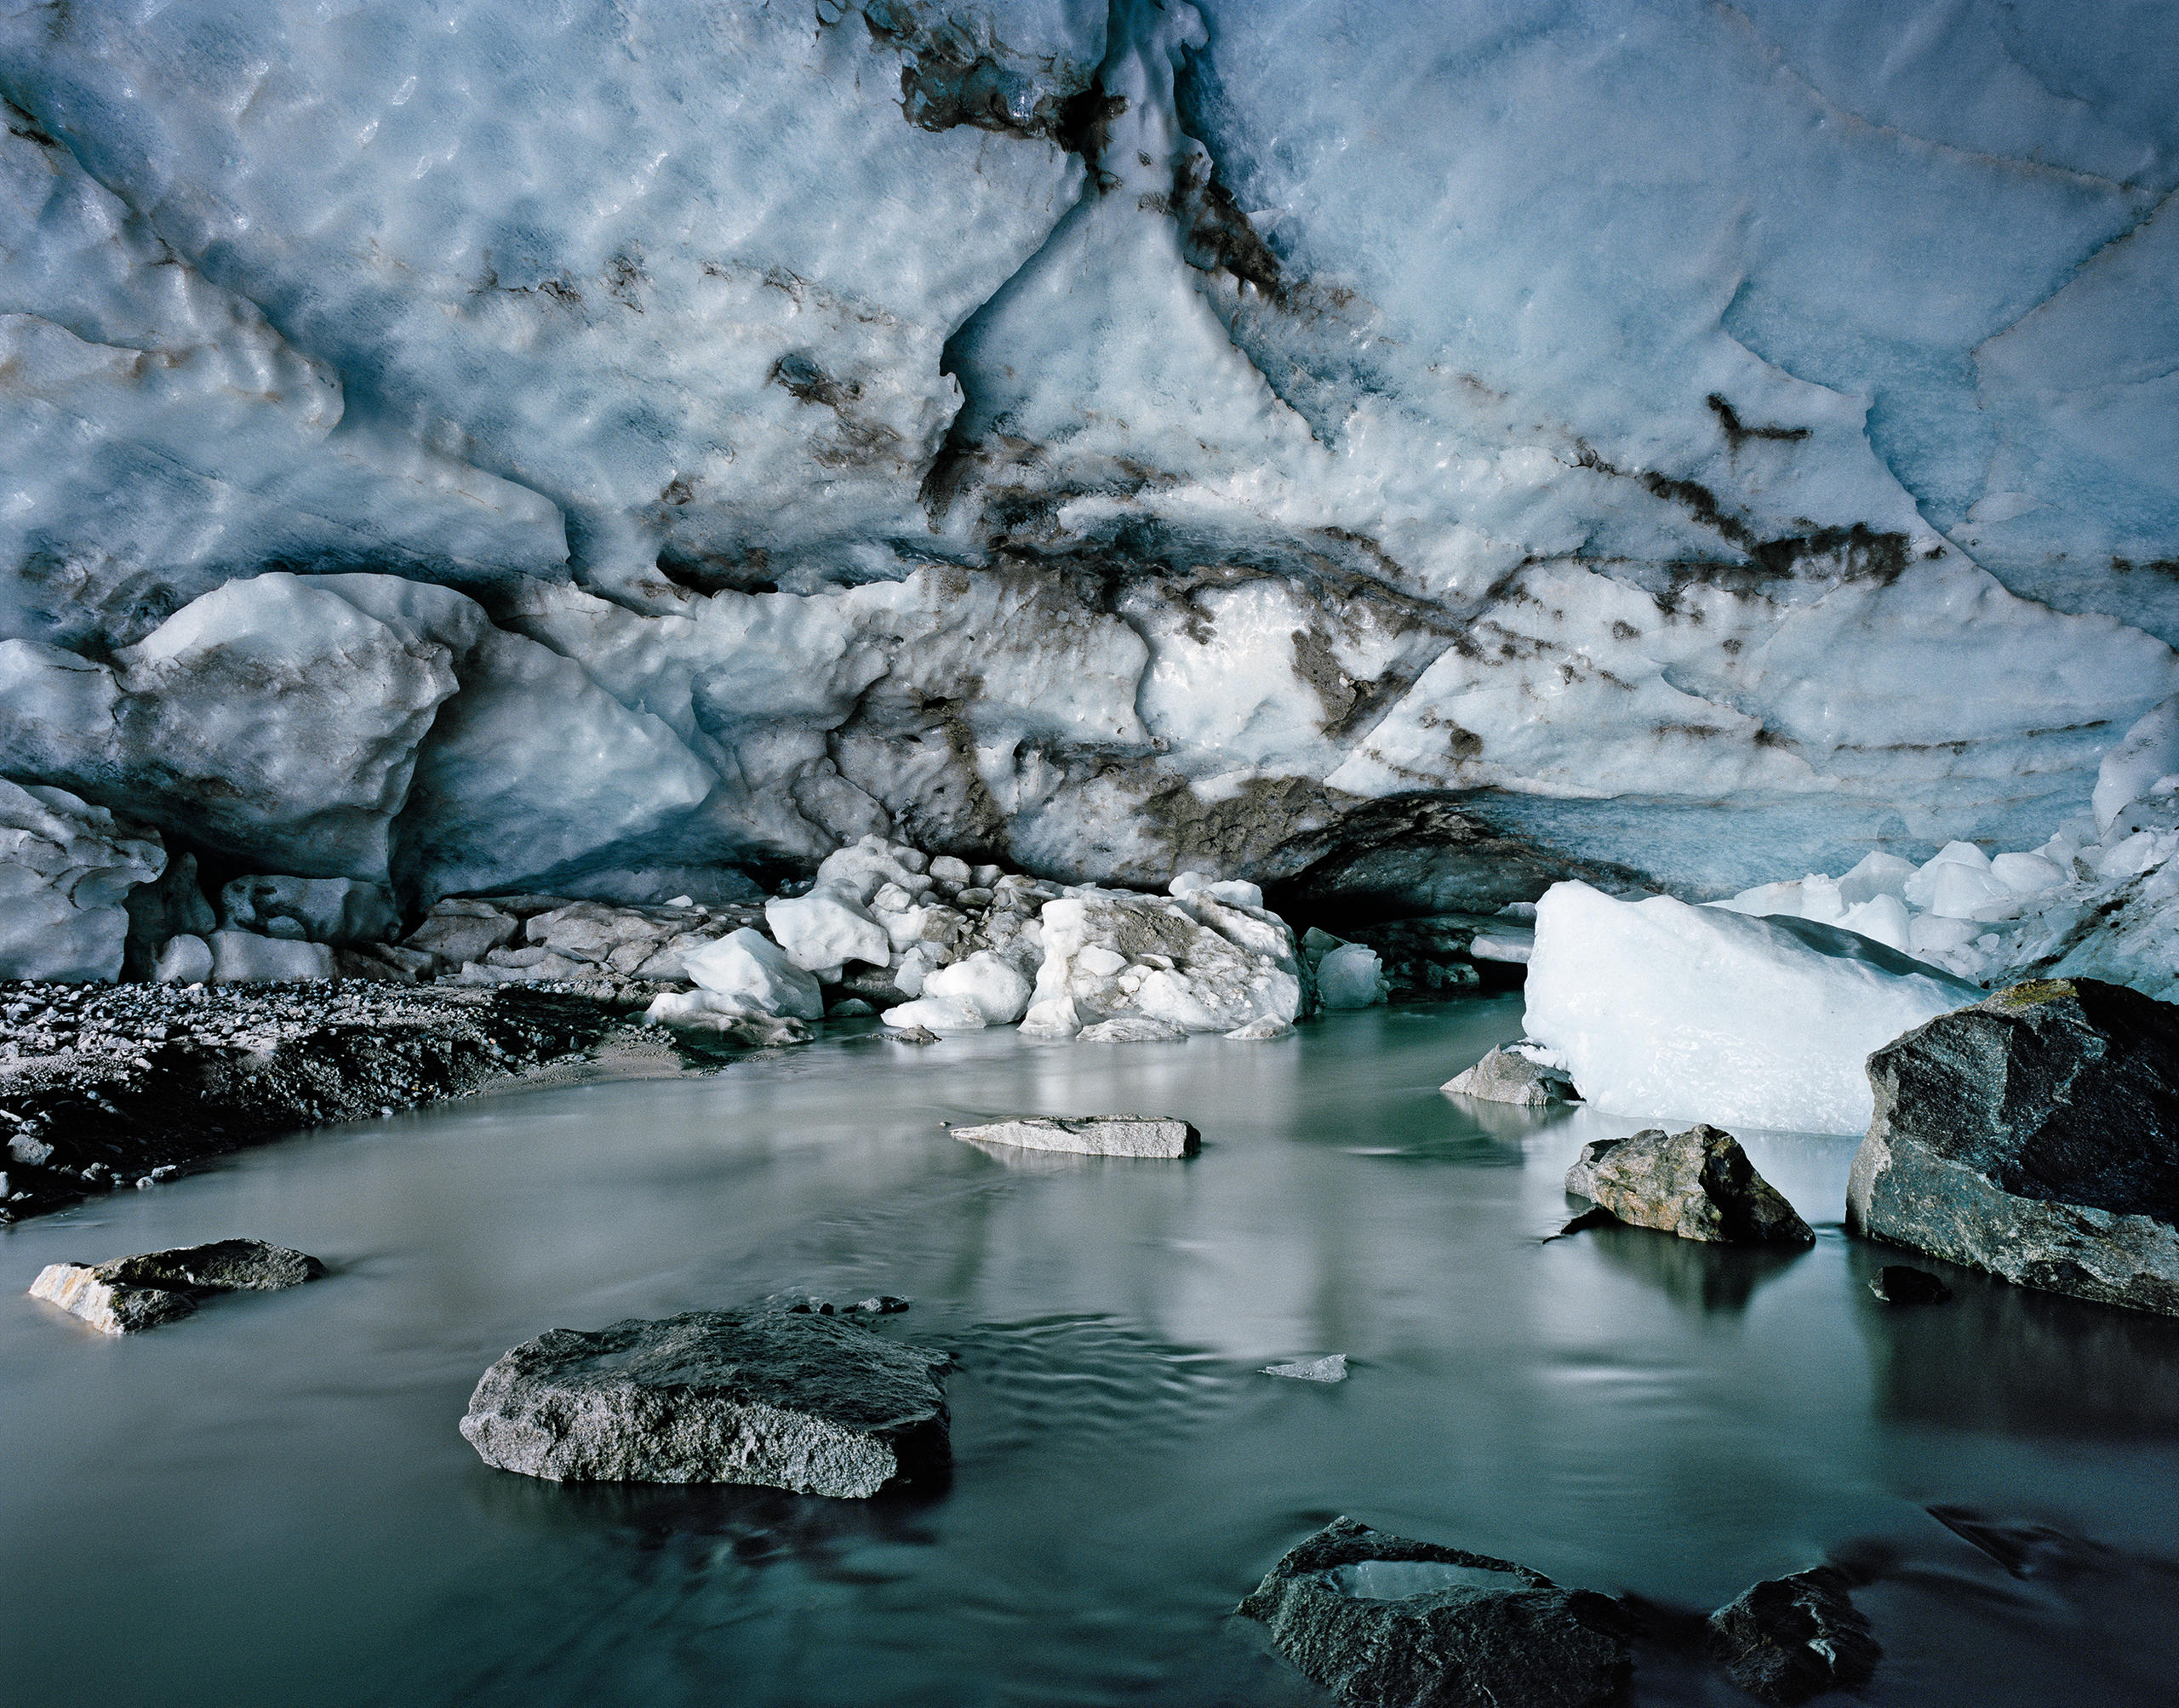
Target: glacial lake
[(271, 1502)]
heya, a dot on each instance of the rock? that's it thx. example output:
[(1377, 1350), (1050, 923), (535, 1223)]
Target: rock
[(1134, 1029), (1378, 1620), (914, 1035), (108, 1307), (826, 930), (65, 872), (1266, 1029), (1194, 961), (1327, 1369), (1095, 1135), (224, 1266), (749, 966), (1698, 1185), (243, 958), (1512, 1074), (131, 1293), (1581, 1178), (793, 1400), (2034, 1135), (1899, 1283), (1352, 976), (1787, 1639), (321, 909)]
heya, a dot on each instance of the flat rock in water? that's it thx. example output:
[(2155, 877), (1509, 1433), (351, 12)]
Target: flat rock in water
[(1508, 1076), (1328, 1369), (1898, 1284), (130, 1294), (1790, 1638), (795, 1400), (1698, 1185), (1380, 1620), (1093, 1135), (2034, 1135)]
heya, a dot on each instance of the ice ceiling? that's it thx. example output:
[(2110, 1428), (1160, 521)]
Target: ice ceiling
[(1414, 447)]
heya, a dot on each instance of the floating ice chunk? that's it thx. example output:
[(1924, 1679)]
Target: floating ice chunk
[(1509, 945), (748, 965), (992, 983), (2147, 753), (825, 929), (1666, 1011), (1351, 977), (1877, 874), (1267, 1029), (939, 1015), (2026, 874), (1327, 1369)]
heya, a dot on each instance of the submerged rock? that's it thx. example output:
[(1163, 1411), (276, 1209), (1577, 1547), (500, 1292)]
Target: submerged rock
[(1513, 1075), (1269, 1029), (1094, 1135), (130, 1294), (1787, 1639), (1380, 1620), (2034, 1135), (1698, 1185), (1137, 1029), (796, 1400), (1899, 1283)]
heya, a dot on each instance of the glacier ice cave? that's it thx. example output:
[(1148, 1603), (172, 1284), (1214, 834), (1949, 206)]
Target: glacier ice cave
[(1292, 643)]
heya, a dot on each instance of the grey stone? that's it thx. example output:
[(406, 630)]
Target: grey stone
[(1380, 1620), (1787, 1639), (1095, 1135), (1507, 1076), (1698, 1185), (795, 1400), (224, 1266), (131, 1293), (2034, 1135), (1898, 1284), (79, 1289)]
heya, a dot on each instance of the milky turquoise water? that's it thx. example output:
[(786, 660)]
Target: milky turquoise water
[(271, 1501)]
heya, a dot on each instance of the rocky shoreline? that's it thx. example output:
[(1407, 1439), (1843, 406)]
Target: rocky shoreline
[(104, 1086)]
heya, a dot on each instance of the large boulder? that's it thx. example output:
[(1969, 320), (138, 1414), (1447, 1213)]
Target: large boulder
[(2034, 1135), (1786, 1639), (65, 872), (1663, 1011), (128, 1295), (1193, 962), (1698, 1185), (1523, 1074), (1382, 1621), (789, 1400)]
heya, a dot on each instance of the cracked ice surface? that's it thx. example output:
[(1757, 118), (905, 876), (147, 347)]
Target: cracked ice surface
[(850, 419)]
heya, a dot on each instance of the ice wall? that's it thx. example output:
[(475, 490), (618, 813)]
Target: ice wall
[(1701, 441)]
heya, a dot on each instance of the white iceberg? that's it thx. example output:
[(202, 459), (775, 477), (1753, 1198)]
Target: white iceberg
[(1351, 977), (1664, 1011)]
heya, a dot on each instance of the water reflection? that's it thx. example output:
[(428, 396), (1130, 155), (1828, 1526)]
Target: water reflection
[(2007, 1360), (1695, 1275)]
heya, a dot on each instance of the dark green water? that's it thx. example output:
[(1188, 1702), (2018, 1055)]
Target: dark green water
[(270, 1502)]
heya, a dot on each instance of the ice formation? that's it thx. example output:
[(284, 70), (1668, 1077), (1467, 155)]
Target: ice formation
[(1663, 1011), (1394, 454)]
